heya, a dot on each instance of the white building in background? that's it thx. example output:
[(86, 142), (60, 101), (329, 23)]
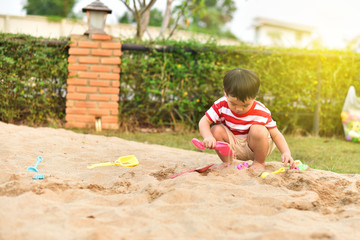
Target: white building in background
[(270, 32)]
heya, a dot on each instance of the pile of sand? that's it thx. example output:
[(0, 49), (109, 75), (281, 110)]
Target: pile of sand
[(114, 202)]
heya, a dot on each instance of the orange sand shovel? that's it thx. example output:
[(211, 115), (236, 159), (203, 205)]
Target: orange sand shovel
[(200, 170)]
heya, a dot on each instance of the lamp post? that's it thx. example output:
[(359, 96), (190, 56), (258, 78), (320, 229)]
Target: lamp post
[(96, 13)]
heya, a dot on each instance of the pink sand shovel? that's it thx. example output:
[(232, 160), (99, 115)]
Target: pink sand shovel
[(222, 147), (200, 170)]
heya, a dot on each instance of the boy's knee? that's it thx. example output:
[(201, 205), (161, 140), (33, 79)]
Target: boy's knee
[(217, 130), (258, 132)]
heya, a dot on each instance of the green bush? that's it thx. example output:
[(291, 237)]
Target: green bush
[(33, 79), (168, 88)]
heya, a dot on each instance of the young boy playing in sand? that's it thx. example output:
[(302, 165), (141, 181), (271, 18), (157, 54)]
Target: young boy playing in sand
[(246, 124)]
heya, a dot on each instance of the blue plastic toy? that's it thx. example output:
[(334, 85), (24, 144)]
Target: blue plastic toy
[(34, 168), (39, 176)]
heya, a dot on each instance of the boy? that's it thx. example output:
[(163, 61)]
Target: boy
[(244, 123)]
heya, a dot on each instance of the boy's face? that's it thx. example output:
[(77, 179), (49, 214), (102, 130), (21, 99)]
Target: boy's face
[(239, 107)]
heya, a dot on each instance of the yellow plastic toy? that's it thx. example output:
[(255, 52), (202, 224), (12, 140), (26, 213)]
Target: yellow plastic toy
[(126, 161), (265, 174)]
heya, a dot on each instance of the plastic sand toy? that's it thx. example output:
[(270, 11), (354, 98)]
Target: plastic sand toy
[(200, 170), (222, 147), (126, 161), (265, 174), (300, 166), (242, 165), (34, 168), (39, 176)]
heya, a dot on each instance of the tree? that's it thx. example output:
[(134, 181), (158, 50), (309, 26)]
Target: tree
[(207, 16), (126, 18), (61, 8), (155, 18), (141, 12), (167, 17), (212, 21), (180, 10)]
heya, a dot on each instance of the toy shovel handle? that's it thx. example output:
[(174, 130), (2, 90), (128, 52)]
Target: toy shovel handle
[(100, 165), (279, 171), (39, 159), (174, 176)]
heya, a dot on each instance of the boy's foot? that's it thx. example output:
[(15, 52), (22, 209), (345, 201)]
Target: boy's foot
[(257, 166), (218, 167)]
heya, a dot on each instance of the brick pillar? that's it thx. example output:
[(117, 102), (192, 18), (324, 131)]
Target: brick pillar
[(93, 83)]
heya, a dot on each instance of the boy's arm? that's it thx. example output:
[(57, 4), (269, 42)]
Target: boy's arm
[(283, 147), (204, 127)]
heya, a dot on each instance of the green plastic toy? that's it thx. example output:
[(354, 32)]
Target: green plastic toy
[(300, 166)]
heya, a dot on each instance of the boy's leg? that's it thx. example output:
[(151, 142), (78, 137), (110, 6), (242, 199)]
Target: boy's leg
[(220, 134), (258, 141)]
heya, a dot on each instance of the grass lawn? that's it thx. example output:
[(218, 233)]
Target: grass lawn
[(331, 154)]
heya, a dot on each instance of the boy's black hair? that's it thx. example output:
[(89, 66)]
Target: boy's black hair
[(241, 83)]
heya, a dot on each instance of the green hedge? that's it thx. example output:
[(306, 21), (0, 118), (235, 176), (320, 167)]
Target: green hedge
[(167, 88), (171, 88), (33, 75)]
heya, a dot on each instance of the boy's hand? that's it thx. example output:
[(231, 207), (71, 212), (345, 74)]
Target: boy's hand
[(286, 158), (209, 142)]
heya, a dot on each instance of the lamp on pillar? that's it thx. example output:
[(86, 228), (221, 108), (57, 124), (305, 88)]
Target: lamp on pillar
[(96, 13)]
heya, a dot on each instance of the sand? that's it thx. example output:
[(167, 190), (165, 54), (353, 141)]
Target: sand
[(114, 202)]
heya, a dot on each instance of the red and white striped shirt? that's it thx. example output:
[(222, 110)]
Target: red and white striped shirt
[(240, 125)]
